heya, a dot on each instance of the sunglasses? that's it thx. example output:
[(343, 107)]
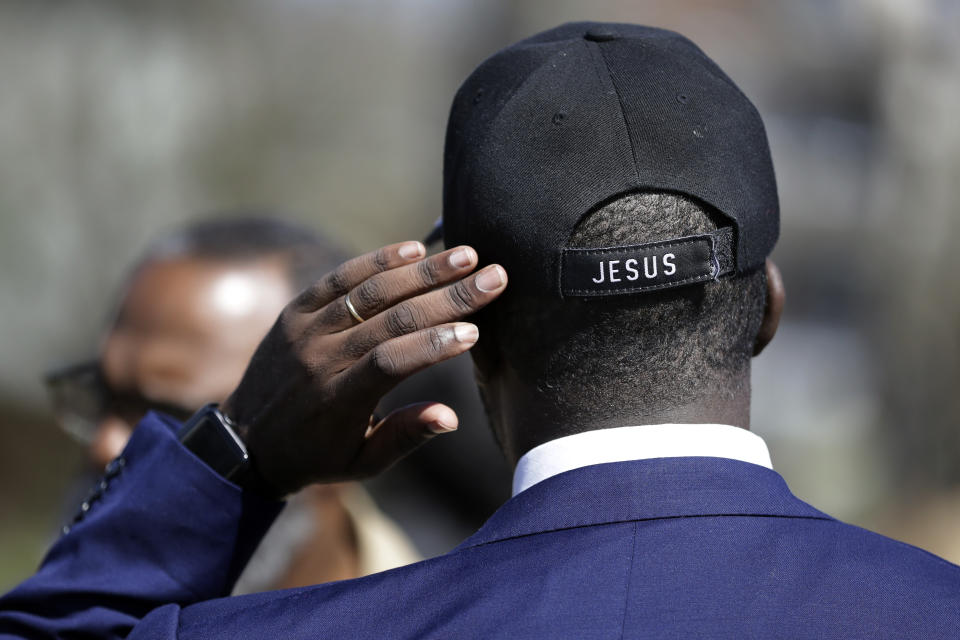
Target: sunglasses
[(82, 398)]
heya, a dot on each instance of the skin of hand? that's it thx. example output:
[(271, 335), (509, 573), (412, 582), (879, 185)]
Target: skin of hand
[(304, 404)]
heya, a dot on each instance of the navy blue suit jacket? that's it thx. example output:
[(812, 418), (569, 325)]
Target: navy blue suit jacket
[(665, 548)]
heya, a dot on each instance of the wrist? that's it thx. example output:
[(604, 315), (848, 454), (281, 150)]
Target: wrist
[(250, 479), (213, 436)]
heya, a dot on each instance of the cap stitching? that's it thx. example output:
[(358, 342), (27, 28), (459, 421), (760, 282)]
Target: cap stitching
[(560, 278), (648, 245), (666, 285)]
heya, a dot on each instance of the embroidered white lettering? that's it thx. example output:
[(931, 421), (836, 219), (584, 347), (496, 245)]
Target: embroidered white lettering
[(669, 268), (600, 279), (614, 270), (610, 270), (646, 270)]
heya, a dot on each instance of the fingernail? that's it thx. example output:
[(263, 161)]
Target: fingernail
[(439, 427), (490, 279), (466, 332), (461, 258), (411, 250)]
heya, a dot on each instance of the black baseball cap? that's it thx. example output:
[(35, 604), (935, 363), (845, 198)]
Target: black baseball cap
[(553, 127)]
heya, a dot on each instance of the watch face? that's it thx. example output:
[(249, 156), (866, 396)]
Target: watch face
[(209, 438)]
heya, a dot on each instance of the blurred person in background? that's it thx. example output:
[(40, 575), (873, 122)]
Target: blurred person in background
[(190, 315)]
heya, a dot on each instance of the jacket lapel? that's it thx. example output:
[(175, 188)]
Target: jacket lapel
[(644, 490)]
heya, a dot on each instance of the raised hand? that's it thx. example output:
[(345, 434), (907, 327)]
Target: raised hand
[(304, 404)]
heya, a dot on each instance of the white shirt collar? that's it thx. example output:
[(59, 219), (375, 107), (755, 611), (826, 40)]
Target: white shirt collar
[(638, 443)]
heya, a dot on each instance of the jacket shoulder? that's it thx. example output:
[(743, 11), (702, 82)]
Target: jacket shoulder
[(918, 565)]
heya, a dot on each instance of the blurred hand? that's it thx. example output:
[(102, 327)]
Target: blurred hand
[(304, 404)]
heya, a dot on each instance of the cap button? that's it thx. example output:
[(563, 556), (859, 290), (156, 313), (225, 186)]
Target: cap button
[(599, 34)]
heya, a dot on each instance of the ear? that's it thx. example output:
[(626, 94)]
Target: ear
[(774, 307)]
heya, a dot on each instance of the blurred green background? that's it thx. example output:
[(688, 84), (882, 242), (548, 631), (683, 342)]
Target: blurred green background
[(121, 119)]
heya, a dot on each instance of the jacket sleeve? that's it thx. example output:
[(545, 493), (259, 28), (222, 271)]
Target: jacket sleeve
[(160, 527)]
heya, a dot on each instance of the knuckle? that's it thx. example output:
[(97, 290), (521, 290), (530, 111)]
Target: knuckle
[(381, 260), (435, 340), (355, 348), (386, 361), (337, 280), (402, 320), (406, 439), (428, 271), (314, 363), (332, 315), (350, 353), (287, 322), (462, 297), (336, 311), (370, 295), (306, 299)]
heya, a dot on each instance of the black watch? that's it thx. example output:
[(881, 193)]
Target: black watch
[(210, 435)]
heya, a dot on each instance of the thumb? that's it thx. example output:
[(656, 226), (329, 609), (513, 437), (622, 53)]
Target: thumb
[(400, 433)]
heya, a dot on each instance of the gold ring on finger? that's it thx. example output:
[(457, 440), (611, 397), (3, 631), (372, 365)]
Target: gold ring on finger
[(351, 309)]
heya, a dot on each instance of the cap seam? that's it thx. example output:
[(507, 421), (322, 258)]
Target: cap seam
[(623, 112)]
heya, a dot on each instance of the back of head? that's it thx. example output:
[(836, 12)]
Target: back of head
[(625, 184), (607, 362)]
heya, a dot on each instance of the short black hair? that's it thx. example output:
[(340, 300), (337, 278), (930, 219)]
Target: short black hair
[(630, 355), (243, 236)]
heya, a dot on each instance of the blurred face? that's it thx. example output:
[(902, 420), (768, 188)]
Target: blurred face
[(184, 334)]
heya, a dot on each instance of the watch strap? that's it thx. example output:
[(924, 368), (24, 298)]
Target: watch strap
[(212, 436)]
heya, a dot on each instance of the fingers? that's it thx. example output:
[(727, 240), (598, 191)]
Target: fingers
[(353, 272), (449, 304), (400, 433), (383, 290), (390, 362)]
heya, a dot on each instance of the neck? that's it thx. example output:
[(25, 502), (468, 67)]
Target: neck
[(525, 420)]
